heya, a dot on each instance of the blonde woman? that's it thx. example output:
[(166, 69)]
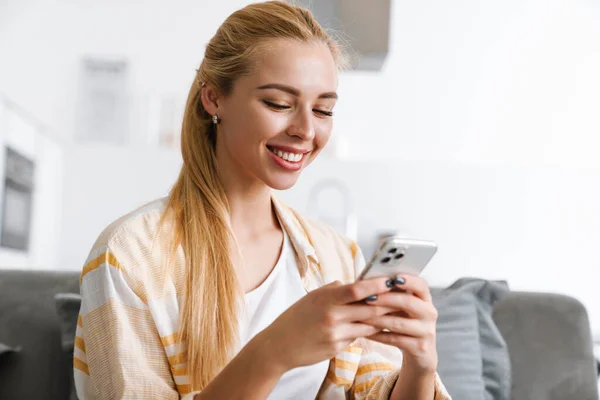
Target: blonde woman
[(222, 292)]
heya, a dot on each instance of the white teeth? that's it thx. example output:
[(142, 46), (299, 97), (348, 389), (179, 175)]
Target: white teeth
[(290, 157)]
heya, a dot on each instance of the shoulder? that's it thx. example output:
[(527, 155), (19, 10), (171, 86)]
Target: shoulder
[(139, 226), (321, 233), (130, 248), (339, 257)]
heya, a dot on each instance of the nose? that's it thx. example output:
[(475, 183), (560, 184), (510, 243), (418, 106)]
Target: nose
[(302, 125)]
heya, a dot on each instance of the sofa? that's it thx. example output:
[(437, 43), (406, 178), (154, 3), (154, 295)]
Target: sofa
[(547, 335)]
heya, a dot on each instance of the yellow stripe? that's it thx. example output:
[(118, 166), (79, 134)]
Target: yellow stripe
[(182, 371), (354, 249), (361, 387), (184, 389), (170, 340), (105, 257), (79, 321), (80, 365), (343, 364), (296, 222), (79, 343), (338, 380), (363, 369), (353, 349), (177, 359), (300, 229)]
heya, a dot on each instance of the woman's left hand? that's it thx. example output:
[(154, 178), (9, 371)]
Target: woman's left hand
[(412, 327)]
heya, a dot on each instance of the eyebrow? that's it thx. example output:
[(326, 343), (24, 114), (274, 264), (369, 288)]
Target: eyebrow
[(294, 91)]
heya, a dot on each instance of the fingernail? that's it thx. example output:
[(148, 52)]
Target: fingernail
[(400, 280), (371, 298), (389, 283)]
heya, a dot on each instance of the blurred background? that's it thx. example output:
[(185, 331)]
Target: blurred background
[(475, 124)]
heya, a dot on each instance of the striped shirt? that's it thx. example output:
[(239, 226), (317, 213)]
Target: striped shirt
[(126, 340)]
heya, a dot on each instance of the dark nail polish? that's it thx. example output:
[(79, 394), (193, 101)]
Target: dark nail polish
[(371, 298), (389, 283), (400, 280)]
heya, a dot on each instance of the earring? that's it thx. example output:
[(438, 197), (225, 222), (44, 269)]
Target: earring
[(216, 120)]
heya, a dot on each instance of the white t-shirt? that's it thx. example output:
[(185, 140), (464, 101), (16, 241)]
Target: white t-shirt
[(282, 288)]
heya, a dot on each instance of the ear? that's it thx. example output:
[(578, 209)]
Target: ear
[(210, 99)]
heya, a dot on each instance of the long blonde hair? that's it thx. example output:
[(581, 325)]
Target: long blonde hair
[(197, 204)]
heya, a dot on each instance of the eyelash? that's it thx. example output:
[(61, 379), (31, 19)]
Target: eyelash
[(280, 107)]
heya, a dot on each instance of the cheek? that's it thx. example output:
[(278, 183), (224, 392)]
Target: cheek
[(258, 124), (323, 134), (243, 130)]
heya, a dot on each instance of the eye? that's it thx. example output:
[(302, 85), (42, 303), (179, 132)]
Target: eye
[(324, 112), (276, 106)]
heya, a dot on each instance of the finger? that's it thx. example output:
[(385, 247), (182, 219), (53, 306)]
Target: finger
[(414, 284), (361, 289), (404, 326), (415, 346), (410, 304), (361, 311), (400, 313), (357, 330)]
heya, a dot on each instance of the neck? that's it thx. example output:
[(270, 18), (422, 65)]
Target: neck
[(250, 206), (251, 210)]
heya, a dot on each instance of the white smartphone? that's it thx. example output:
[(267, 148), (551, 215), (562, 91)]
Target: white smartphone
[(396, 255)]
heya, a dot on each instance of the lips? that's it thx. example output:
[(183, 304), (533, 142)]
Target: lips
[(289, 156)]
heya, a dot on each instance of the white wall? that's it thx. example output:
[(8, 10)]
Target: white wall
[(104, 183), (42, 42), (25, 136), (487, 81)]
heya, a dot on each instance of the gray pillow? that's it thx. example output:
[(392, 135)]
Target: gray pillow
[(4, 349), (494, 351), (67, 308), (5, 352), (459, 351)]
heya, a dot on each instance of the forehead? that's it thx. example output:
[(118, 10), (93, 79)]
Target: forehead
[(309, 67)]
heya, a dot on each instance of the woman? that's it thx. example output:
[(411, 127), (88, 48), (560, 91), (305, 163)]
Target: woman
[(222, 292)]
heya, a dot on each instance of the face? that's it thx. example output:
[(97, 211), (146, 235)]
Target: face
[(278, 118)]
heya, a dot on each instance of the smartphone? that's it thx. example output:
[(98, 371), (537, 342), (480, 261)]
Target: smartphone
[(396, 255)]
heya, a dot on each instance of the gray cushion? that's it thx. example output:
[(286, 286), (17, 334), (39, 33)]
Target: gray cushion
[(5, 349), (28, 319), (550, 340), (6, 352), (458, 347), (67, 308), (495, 359)]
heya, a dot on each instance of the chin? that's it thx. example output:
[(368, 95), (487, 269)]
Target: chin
[(282, 183)]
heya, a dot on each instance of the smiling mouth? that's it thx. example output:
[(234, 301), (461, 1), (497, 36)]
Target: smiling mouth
[(287, 156)]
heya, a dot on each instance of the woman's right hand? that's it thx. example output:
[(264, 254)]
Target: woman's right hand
[(322, 324)]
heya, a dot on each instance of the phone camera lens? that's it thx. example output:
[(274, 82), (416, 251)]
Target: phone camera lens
[(392, 250), (385, 260), (398, 256)]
